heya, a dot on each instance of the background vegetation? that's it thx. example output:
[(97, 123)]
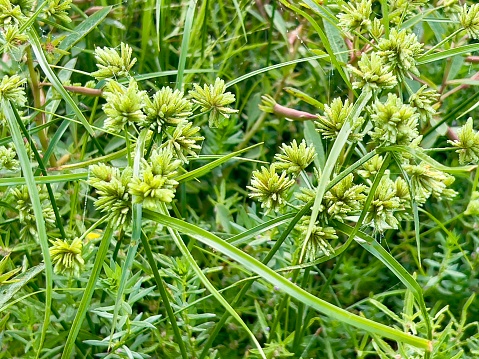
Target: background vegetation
[(214, 273)]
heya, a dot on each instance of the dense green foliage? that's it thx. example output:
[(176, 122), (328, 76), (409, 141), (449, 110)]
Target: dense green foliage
[(237, 179)]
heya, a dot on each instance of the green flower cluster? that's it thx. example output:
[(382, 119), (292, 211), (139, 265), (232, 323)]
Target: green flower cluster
[(395, 123), (67, 256), (427, 181), (270, 188), (155, 183), (117, 190), (467, 143), (335, 115), (21, 199), (111, 186), (373, 73), (401, 50), (7, 159)]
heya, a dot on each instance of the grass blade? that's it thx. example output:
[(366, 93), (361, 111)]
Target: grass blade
[(185, 43), (284, 284), (27, 170)]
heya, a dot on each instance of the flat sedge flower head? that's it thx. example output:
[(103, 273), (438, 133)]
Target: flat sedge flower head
[(269, 188), (395, 123), (168, 108), (11, 89), (11, 13), (334, 118), (427, 181), (402, 192), (155, 183), (150, 189), (11, 38), (469, 19), (467, 143), (345, 198), (401, 50), (28, 220), (377, 28), (318, 241), (111, 64), (8, 160), (294, 158), (355, 15), (385, 203), (123, 105), (400, 9), (423, 101), (184, 141), (58, 9), (214, 99), (112, 189), (373, 73), (164, 163), (67, 256), (473, 206), (371, 167)]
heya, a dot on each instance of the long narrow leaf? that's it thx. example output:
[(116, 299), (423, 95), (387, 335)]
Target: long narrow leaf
[(284, 284), (17, 138)]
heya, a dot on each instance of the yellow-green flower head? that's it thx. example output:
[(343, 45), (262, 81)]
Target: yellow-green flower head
[(318, 241), (345, 198), (269, 188), (373, 73), (334, 118), (377, 28), (58, 10), (155, 183), (11, 38), (467, 144), (473, 206), (10, 13), (469, 19), (150, 189), (123, 105), (11, 90), (381, 213), (423, 100), (111, 64), (26, 215), (371, 167), (7, 159), (427, 181), (394, 123), (163, 163), (112, 189), (401, 50), (184, 141), (355, 15), (168, 108), (399, 9), (294, 158), (67, 257), (214, 99)]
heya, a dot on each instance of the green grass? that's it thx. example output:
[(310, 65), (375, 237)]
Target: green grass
[(348, 258)]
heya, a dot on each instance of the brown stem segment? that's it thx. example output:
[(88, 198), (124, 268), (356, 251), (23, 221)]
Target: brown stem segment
[(38, 100)]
